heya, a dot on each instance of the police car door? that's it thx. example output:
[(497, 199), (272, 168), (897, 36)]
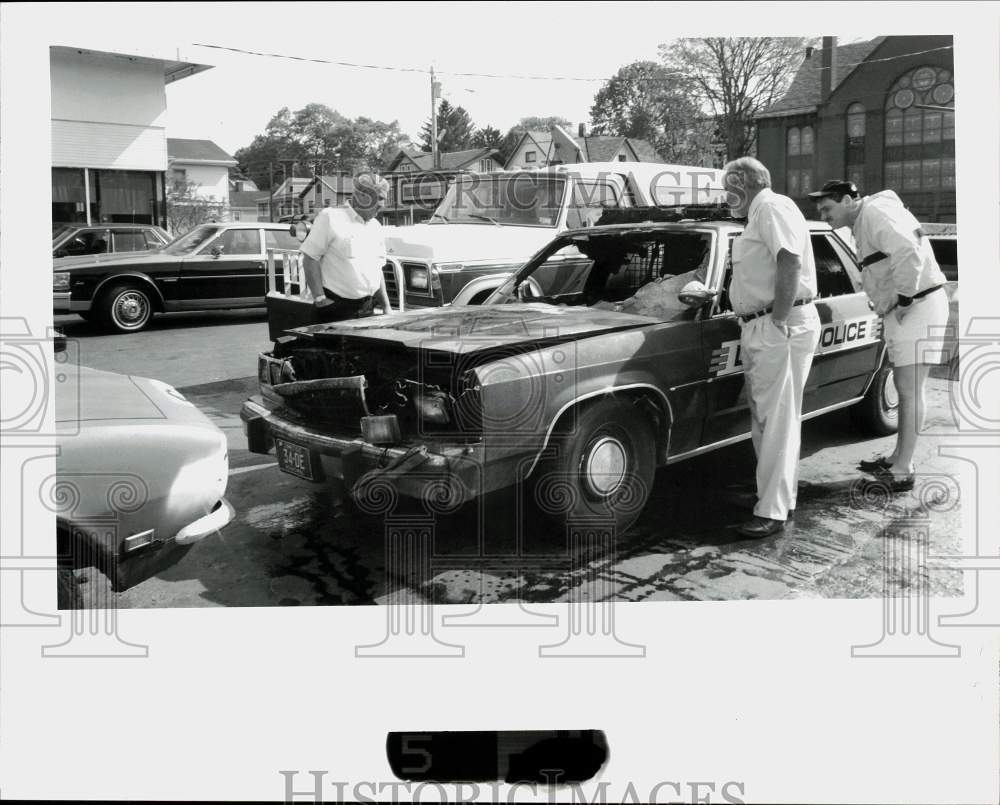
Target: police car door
[(726, 413), (849, 343), (846, 356)]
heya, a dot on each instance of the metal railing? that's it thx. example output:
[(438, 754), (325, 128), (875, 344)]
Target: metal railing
[(293, 279)]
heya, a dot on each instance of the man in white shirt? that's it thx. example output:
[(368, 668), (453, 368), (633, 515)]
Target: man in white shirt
[(343, 255), (773, 285), (901, 277)]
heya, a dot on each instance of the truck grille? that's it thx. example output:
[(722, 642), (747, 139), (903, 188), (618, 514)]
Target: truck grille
[(390, 283)]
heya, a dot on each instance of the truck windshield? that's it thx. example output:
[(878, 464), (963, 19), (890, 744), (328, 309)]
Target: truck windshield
[(523, 199), (188, 242)]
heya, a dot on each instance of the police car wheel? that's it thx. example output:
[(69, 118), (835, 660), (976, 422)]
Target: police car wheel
[(878, 412), (599, 465)]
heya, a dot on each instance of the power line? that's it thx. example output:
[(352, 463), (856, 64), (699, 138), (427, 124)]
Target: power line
[(521, 77)]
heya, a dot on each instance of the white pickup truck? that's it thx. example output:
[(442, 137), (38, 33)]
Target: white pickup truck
[(490, 224)]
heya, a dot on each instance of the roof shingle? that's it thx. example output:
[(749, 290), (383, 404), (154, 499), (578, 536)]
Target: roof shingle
[(196, 149), (804, 91)]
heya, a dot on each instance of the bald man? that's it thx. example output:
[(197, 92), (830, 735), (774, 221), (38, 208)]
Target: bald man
[(343, 255)]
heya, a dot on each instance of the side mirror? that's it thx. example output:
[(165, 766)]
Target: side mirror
[(217, 251), (696, 298), (58, 341)]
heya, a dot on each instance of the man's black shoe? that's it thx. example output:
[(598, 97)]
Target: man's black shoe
[(761, 527), (876, 464), (892, 483)]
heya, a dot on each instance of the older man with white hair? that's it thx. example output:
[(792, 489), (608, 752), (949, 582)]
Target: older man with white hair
[(344, 253), (773, 285)]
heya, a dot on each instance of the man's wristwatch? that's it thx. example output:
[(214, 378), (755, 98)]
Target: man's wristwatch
[(904, 301)]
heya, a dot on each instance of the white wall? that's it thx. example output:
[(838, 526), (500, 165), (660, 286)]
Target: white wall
[(528, 144), (107, 112), (213, 179)]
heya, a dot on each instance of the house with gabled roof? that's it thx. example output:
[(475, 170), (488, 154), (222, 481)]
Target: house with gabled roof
[(326, 191), (201, 163), (416, 185), (531, 151), (879, 113), (566, 149)]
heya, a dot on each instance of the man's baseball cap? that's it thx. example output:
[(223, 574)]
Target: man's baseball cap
[(839, 187)]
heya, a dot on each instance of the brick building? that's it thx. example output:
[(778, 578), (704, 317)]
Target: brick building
[(878, 112)]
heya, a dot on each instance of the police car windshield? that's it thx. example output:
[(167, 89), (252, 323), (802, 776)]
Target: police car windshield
[(521, 199), (640, 272), (189, 242)]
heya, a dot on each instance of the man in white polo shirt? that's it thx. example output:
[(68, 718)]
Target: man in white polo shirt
[(773, 285), (344, 253)]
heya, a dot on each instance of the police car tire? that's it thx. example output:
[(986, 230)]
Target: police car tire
[(875, 413), (612, 434)]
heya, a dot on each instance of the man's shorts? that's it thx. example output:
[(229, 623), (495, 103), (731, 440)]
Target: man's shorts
[(920, 338)]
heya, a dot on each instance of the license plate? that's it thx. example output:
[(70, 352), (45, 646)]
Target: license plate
[(297, 460)]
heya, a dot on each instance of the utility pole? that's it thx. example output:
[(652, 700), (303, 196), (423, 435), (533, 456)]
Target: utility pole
[(435, 94), (270, 196)]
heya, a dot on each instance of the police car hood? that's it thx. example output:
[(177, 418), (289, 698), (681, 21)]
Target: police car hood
[(480, 241), (474, 328)]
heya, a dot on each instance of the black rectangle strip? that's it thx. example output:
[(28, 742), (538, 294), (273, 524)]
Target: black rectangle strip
[(539, 756)]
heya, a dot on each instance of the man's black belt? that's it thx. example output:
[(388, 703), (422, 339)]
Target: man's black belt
[(338, 298), (745, 317)]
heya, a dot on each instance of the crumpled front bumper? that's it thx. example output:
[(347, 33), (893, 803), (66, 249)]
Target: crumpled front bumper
[(446, 479)]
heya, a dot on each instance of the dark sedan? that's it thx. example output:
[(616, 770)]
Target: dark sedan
[(212, 267), (70, 241)]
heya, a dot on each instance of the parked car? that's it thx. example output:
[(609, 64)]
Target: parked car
[(211, 267), (547, 384), (944, 241), (79, 240), (141, 476)]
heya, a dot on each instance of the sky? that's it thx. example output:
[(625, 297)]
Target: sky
[(233, 101)]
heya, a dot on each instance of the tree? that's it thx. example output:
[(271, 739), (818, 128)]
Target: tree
[(487, 137), (186, 209), (734, 79), (646, 101), (454, 128), (319, 138)]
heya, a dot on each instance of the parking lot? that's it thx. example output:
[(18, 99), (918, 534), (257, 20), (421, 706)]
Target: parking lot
[(289, 544)]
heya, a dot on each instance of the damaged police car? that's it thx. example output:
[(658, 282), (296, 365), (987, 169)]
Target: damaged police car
[(611, 352)]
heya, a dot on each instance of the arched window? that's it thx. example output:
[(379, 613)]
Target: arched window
[(794, 142), (920, 131), (855, 154), (799, 147)]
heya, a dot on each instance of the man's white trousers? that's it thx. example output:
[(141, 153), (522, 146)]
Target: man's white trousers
[(775, 369)]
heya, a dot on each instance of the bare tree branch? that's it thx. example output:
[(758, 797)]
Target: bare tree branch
[(734, 79)]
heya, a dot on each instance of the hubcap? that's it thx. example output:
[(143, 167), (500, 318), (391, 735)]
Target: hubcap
[(131, 308), (889, 394), (603, 466)]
